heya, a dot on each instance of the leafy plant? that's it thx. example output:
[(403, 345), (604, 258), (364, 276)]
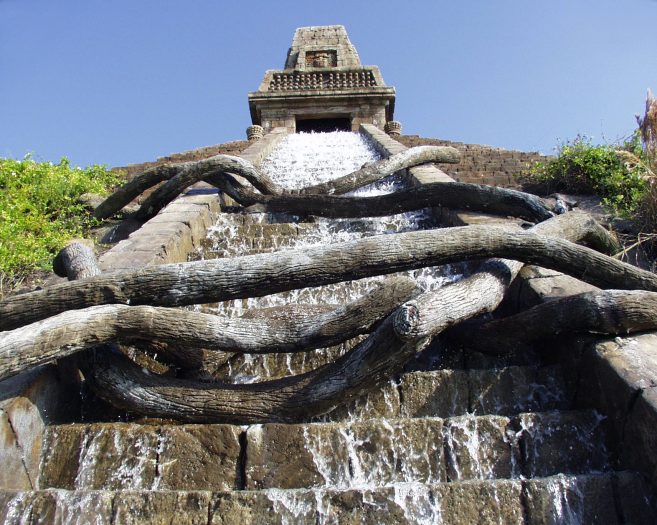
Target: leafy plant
[(40, 211), (617, 175)]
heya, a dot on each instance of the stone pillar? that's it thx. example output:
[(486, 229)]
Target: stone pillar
[(393, 128), (254, 132)]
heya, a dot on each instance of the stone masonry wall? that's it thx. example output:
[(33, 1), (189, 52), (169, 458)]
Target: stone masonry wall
[(481, 164)]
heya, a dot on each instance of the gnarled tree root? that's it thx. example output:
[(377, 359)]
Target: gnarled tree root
[(458, 195), (257, 275), (380, 169), (178, 177), (76, 330), (397, 339), (607, 311)]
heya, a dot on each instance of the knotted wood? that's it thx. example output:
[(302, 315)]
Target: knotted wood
[(380, 169), (475, 197), (607, 311), (179, 176), (405, 332), (76, 261), (76, 330), (263, 274)]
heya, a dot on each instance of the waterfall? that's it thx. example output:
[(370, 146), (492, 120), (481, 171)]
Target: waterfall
[(302, 160)]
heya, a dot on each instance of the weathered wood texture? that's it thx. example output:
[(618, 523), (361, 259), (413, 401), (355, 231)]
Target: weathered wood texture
[(178, 177), (257, 275), (608, 311), (373, 361), (76, 261), (382, 354), (380, 169), (458, 195), (76, 330), (208, 281)]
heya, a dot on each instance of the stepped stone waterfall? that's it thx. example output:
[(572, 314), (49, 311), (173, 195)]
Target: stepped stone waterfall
[(223, 400)]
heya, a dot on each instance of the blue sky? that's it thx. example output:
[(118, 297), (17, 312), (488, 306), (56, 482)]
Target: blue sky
[(116, 82)]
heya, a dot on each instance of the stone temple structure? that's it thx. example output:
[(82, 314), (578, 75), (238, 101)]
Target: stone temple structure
[(323, 87)]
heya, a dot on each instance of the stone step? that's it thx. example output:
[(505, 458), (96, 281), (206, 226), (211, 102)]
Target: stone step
[(127, 456), (426, 450), (609, 499), (123, 456), (447, 393)]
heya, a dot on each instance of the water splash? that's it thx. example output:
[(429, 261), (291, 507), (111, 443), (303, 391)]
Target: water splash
[(299, 161)]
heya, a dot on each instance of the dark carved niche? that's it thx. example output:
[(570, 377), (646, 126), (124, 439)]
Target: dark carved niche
[(323, 58)]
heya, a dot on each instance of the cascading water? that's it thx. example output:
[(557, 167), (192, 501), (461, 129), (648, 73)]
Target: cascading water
[(411, 450), (303, 160)]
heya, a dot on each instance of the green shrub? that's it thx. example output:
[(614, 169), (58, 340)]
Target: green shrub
[(617, 175), (40, 212)]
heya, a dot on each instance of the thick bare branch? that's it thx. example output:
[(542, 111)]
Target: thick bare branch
[(607, 311), (257, 275), (76, 261), (76, 330), (457, 195), (179, 177), (383, 168)]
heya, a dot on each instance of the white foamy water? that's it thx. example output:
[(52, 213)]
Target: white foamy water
[(303, 160)]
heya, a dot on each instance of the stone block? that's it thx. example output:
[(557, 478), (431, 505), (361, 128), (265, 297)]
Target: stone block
[(442, 393), (344, 454), (637, 451), (570, 499), (479, 448), (130, 457), (254, 508), (514, 389), (56, 507), (540, 284), (161, 508), (636, 499), (567, 442), (614, 372), (198, 457), (60, 465), (29, 402), (498, 501), (381, 402)]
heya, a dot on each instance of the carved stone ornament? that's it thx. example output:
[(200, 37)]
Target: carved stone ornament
[(393, 128), (254, 132)]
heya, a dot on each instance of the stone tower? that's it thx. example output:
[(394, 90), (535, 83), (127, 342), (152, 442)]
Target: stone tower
[(323, 87)]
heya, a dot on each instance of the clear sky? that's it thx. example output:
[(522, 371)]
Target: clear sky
[(123, 81)]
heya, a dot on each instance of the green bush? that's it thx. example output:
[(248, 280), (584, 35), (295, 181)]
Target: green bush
[(615, 174), (40, 212)]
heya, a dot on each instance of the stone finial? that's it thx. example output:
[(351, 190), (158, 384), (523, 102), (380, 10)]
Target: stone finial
[(393, 128), (255, 132)]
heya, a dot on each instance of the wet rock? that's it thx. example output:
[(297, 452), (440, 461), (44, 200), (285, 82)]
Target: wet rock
[(570, 499), (60, 465), (198, 457), (58, 507), (479, 448), (568, 442), (638, 448), (161, 508), (442, 393), (480, 502), (381, 402), (344, 455), (128, 456), (636, 499), (512, 390)]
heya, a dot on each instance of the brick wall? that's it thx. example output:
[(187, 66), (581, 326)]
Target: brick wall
[(481, 164)]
